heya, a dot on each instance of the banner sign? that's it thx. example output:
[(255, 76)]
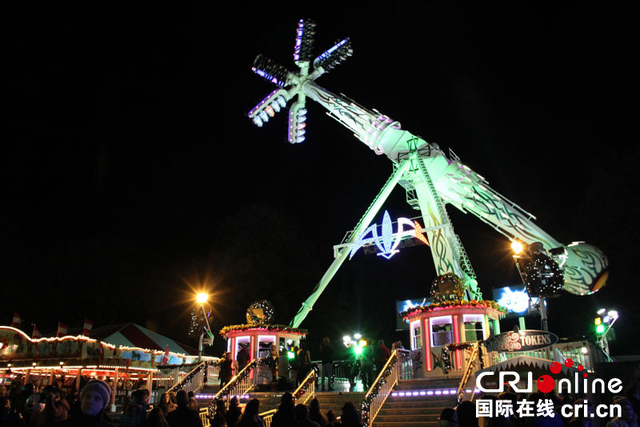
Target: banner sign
[(525, 340)]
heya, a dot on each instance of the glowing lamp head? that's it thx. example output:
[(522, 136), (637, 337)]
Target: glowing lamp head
[(202, 298), (517, 247), (291, 355), (357, 350)]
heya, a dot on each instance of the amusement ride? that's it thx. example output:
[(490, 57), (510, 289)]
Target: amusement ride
[(431, 178)]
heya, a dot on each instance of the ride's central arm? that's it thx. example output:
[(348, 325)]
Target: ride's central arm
[(368, 126), (458, 185), (455, 183)]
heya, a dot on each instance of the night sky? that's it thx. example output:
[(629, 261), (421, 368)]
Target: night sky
[(132, 177)]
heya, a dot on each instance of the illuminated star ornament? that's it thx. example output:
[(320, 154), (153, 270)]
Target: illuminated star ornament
[(388, 242)]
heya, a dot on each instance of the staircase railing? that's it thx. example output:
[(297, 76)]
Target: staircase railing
[(306, 391), (193, 381), (383, 385), (203, 413), (475, 353), (239, 385), (267, 417)]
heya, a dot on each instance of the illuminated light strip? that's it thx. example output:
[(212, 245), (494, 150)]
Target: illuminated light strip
[(91, 340), (429, 392), (456, 338), (427, 339), (93, 367)]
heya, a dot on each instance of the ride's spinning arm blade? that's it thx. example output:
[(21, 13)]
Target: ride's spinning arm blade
[(303, 51), (333, 57)]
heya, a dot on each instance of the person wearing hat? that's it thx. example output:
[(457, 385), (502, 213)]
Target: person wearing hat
[(94, 398)]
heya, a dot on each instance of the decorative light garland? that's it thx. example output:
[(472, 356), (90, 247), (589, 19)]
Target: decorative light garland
[(237, 379), (270, 328), (543, 277), (365, 410), (417, 310), (187, 379)]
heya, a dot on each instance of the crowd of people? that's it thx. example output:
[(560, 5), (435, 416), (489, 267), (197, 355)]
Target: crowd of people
[(29, 407), (465, 414), (288, 414), (290, 366)]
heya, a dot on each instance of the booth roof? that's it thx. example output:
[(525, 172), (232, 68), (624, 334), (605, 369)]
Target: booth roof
[(133, 335)]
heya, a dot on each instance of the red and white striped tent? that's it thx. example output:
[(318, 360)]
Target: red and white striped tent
[(133, 335)]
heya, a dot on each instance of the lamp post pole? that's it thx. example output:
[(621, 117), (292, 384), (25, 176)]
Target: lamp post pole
[(202, 298), (200, 345)]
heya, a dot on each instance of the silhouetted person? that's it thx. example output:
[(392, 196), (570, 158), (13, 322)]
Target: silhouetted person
[(250, 417), (350, 416), (219, 419), (135, 413), (234, 412), (448, 418), (315, 414), (226, 369), (243, 357), (467, 414), (285, 415), (332, 419), (326, 354), (184, 416), (302, 415), (8, 417)]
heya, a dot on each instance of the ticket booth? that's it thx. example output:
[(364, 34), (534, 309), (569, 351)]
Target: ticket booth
[(442, 324), (262, 340)]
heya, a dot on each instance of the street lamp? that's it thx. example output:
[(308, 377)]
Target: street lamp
[(202, 298), (523, 260), (603, 322)]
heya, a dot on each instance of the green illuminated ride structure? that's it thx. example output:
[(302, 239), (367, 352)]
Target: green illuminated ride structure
[(430, 177)]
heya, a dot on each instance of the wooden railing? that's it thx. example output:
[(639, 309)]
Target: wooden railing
[(390, 374)]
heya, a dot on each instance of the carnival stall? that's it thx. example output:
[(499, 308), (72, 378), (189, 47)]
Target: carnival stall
[(259, 339), (68, 361), (443, 330)]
